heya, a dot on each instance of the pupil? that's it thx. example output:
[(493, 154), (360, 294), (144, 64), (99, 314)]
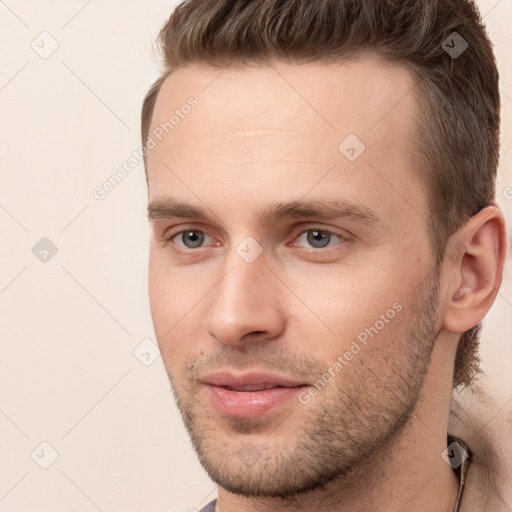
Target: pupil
[(192, 238), (318, 238)]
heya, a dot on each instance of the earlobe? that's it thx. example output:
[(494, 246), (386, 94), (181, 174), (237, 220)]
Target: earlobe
[(476, 273)]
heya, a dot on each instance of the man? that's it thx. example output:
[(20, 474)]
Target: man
[(325, 244)]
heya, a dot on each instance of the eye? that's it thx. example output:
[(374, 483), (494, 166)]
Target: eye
[(190, 238), (316, 238), (320, 238)]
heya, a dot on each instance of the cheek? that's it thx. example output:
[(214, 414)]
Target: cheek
[(168, 288), (158, 298), (166, 303), (175, 309), (343, 305)]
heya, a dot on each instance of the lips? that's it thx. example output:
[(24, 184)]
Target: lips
[(251, 388), (249, 395)]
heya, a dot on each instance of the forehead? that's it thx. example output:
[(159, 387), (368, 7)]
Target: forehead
[(265, 123), (360, 93)]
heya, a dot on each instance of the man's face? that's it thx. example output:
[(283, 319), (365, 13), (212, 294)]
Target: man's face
[(266, 292)]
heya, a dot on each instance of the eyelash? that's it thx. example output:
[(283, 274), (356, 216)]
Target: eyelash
[(316, 249)]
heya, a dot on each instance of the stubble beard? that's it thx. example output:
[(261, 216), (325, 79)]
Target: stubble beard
[(360, 413)]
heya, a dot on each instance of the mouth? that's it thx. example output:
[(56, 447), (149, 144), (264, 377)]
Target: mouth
[(250, 395), (251, 388)]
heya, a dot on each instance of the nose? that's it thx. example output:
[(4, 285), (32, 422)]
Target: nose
[(246, 304)]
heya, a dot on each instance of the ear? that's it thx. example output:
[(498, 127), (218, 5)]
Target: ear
[(473, 267)]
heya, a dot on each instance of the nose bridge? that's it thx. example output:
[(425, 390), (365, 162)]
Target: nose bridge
[(244, 300)]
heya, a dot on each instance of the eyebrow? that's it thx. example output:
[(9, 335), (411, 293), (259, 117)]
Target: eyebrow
[(169, 208)]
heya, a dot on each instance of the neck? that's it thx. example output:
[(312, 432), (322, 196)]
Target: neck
[(406, 474)]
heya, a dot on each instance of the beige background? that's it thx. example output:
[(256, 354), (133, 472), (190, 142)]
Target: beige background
[(70, 325)]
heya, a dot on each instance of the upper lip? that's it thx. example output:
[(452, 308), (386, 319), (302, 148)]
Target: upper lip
[(259, 379)]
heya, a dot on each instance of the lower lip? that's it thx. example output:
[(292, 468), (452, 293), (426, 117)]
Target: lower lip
[(249, 404)]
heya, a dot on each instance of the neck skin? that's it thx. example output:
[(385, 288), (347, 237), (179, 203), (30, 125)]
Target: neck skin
[(408, 475)]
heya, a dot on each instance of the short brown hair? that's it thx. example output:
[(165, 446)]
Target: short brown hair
[(457, 134)]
